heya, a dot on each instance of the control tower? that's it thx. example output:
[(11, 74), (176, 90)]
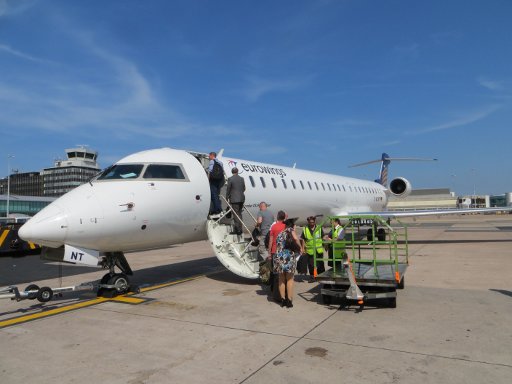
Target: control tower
[(79, 167)]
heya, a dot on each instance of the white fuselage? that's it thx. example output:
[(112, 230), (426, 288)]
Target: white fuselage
[(135, 212)]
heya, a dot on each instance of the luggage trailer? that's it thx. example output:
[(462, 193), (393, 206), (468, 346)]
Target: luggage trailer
[(45, 294), (368, 264)]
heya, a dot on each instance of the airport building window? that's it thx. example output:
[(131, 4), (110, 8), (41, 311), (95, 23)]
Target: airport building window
[(293, 185), (262, 182), (251, 179), (273, 182), (284, 183), (164, 171), (121, 171)]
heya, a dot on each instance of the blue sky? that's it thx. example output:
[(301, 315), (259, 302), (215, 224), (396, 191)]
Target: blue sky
[(323, 84)]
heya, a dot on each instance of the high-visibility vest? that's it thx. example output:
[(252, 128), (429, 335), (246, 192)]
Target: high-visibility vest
[(338, 249), (313, 242)]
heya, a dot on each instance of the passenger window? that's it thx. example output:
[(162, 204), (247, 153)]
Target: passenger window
[(309, 185), (301, 184), (273, 182), (251, 179), (121, 171), (323, 186), (316, 185), (328, 186), (164, 171), (263, 182), (293, 185), (284, 183)]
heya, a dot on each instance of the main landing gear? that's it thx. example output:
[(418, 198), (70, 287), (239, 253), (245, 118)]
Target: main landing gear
[(113, 284)]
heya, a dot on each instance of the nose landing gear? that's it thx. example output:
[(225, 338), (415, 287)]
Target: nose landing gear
[(113, 284)]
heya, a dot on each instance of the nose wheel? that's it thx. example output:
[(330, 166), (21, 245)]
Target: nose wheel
[(113, 284)]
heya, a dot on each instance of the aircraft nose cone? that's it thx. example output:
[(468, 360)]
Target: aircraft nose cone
[(48, 227)]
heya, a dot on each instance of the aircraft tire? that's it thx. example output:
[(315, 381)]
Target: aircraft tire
[(105, 278), (120, 282), (45, 294)]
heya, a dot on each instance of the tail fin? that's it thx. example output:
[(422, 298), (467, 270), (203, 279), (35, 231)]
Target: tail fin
[(383, 177), (385, 160)]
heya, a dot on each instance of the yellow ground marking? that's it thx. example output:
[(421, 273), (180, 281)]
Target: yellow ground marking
[(51, 312), (127, 299), (3, 236)]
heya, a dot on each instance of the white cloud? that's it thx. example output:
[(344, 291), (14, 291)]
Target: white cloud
[(259, 87), (490, 84), (461, 121), (9, 50), (12, 7)]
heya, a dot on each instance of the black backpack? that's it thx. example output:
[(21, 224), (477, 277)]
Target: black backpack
[(217, 172)]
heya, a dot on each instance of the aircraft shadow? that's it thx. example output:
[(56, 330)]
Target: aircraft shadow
[(29, 269), (502, 291)]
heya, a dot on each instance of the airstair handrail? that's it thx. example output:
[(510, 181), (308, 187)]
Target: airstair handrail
[(239, 218)]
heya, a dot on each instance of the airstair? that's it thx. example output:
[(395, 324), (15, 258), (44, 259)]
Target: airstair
[(235, 252)]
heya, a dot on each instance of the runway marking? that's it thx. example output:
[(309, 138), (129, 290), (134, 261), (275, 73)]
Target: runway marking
[(128, 298)]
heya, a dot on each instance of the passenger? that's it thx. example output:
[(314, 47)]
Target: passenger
[(236, 197), (264, 221), (217, 180), (312, 240), (288, 246), (275, 229)]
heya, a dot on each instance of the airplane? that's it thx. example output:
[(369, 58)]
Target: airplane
[(160, 197)]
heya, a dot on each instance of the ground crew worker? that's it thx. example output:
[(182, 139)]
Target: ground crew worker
[(312, 241), (336, 250)]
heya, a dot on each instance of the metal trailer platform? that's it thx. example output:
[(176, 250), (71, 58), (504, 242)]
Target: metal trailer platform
[(374, 262), (374, 282)]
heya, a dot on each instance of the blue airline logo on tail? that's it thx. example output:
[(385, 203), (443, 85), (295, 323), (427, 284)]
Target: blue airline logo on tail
[(383, 179)]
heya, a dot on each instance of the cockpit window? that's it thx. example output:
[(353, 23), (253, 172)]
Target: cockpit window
[(121, 171), (164, 171)]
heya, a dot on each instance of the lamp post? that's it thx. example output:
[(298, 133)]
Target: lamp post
[(8, 182), (473, 171)]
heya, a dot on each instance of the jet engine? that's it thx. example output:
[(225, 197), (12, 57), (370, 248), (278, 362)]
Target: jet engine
[(400, 187)]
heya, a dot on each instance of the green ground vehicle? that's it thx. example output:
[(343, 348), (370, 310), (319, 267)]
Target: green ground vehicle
[(369, 263)]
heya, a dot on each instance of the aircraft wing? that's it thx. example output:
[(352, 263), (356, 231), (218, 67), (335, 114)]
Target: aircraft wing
[(434, 212)]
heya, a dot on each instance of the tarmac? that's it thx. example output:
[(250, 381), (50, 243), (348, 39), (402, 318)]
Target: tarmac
[(195, 322)]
